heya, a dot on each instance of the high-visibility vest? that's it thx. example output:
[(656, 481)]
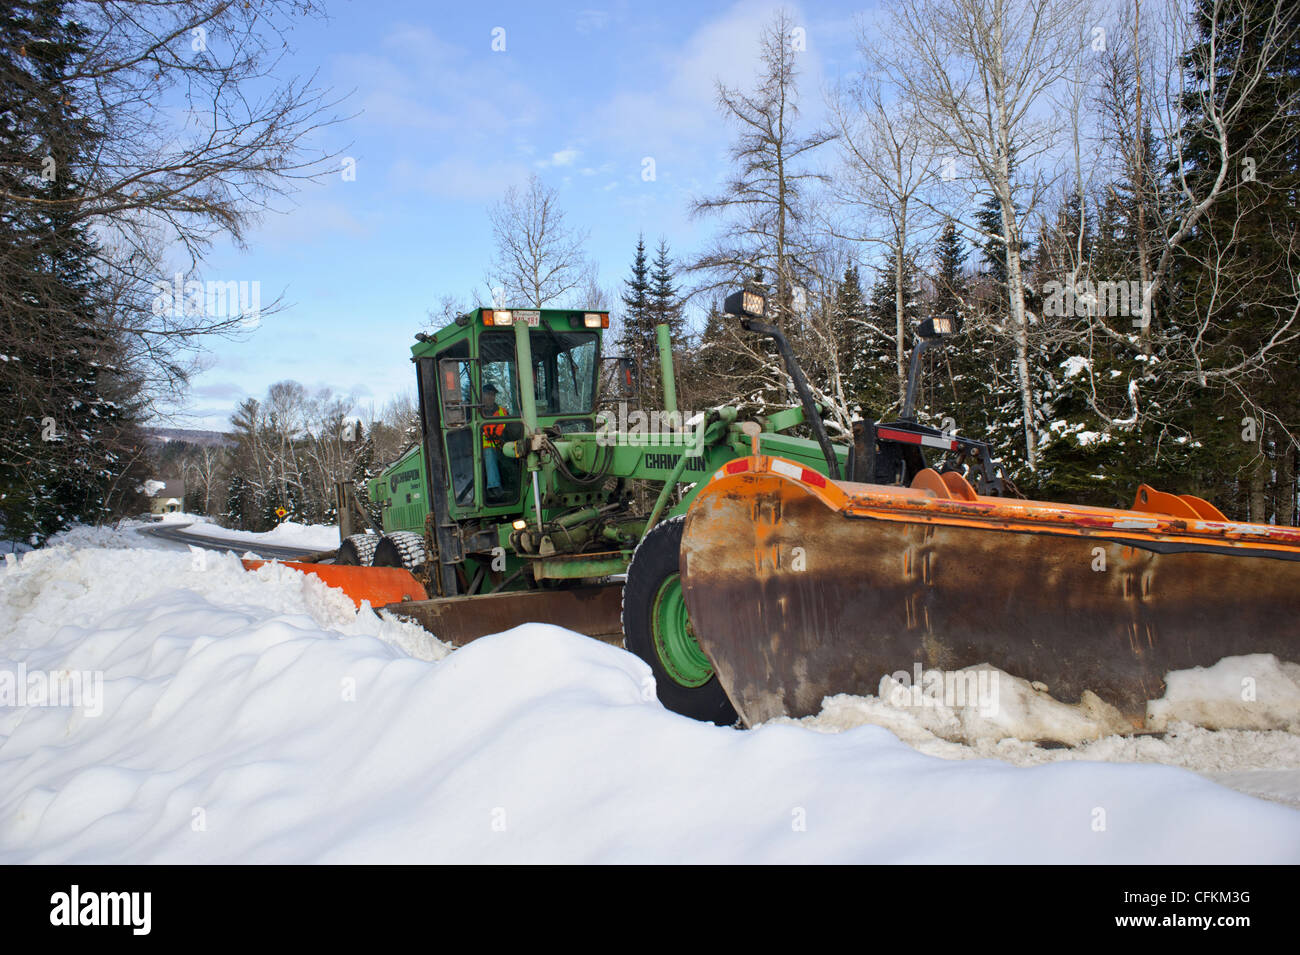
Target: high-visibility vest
[(493, 433)]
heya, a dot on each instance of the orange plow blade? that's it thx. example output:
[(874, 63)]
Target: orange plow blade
[(799, 588), (591, 610), (378, 585)]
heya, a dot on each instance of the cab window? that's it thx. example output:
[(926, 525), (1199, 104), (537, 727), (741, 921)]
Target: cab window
[(497, 369), (564, 370)]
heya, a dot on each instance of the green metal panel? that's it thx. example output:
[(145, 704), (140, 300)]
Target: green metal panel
[(403, 492)]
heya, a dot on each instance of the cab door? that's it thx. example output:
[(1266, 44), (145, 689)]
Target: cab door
[(457, 397)]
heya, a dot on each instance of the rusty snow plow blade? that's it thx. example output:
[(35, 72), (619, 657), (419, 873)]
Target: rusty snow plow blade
[(799, 587), (378, 585), (593, 610)]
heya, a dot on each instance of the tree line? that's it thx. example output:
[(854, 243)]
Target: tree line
[(284, 455), (105, 199), (1106, 199)]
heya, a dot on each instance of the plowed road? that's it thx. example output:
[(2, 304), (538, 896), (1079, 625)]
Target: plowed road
[(176, 533)]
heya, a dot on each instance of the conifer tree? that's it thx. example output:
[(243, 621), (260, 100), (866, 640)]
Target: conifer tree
[(638, 340), (71, 449)]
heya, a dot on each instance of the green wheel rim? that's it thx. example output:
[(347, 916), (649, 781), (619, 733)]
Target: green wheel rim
[(674, 640)]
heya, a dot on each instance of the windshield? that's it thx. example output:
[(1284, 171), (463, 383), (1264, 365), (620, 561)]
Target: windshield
[(564, 366)]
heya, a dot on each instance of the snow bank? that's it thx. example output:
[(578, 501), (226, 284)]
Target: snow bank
[(286, 534), (258, 718), (976, 703), (984, 703), (1251, 692), (119, 535), (1255, 749)]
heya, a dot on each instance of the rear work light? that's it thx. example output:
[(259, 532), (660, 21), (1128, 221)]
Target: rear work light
[(595, 320), (499, 317)]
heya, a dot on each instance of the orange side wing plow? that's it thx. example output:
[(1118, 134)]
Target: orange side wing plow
[(378, 585)]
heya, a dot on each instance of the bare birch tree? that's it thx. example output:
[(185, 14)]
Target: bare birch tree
[(539, 260), (887, 164), (977, 73)]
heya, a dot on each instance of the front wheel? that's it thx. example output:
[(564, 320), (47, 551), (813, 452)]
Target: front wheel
[(657, 629), (401, 549), (358, 550)]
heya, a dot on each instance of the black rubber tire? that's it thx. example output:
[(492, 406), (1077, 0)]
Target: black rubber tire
[(654, 561), (358, 550), (401, 549)]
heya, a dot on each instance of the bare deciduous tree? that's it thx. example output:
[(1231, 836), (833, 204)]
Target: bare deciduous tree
[(539, 260), (977, 73), (197, 132), (765, 199), (887, 164)]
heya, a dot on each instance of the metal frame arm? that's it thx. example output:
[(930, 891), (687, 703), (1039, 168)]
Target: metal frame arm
[(810, 412)]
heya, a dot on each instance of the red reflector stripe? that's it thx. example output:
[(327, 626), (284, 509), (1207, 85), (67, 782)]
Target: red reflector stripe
[(813, 478), (889, 434), (892, 435), (736, 466)]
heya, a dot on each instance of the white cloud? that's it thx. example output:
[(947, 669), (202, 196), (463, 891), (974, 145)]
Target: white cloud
[(676, 109), (459, 176), (565, 157), (418, 81), (314, 218)]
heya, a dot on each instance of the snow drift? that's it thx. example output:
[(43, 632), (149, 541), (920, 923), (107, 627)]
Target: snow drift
[(257, 717)]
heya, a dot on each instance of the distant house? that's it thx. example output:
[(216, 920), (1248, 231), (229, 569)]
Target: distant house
[(166, 496)]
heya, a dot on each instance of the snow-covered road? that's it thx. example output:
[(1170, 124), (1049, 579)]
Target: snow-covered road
[(199, 536)]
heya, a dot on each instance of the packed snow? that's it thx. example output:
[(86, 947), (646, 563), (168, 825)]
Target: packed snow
[(1201, 723), (284, 534), (258, 717), (126, 534)]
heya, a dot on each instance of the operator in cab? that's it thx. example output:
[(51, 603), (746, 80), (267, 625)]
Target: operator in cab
[(493, 435)]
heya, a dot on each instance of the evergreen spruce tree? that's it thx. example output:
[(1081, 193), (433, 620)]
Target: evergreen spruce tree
[(852, 343), (950, 279), (665, 305), (719, 372), (270, 498), (1236, 278), (881, 314), (236, 503), (638, 338), (72, 450), (665, 308), (992, 249), (958, 376)]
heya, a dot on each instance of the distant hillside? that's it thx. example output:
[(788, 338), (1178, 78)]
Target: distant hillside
[(207, 439)]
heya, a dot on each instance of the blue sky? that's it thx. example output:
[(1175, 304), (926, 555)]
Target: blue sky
[(444, 124)]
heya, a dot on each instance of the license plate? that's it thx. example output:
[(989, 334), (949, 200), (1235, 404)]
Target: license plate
[(531, 319)]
